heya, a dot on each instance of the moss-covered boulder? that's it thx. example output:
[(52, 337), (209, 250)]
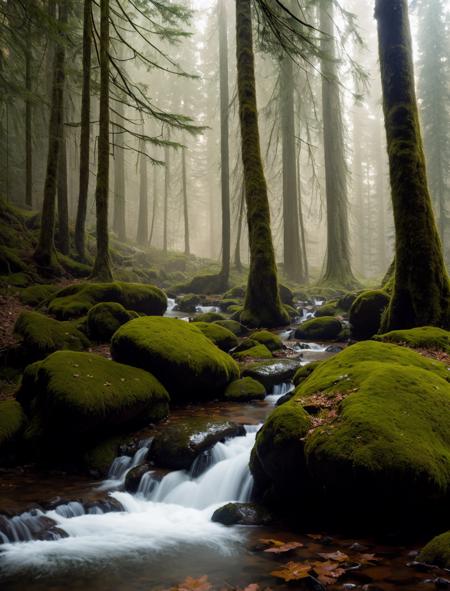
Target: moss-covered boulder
[(235, 292), (226, 303), (267, 338), (76, 300), (208, 317), (37, 295), (366, 312), (40, 336), (188, 303), (178, 445), (99, 457), (257, 351), (76, 399), (105, 318), (12, 424), (345, 302), (303, 372), (437, 551), (378, 446), (220, 336), (424, 337), (245, 389), (235, 327), (328, 309), (326, 328), (188, 364), (286, 294), (270, 373)]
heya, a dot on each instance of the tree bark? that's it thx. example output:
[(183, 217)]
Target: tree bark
[(63, 240), (102, 265), (262, 305), (155, 206), (338, 270), (187, 248), (142, 228), (421, 287), (80, 238), (237, 250), (166, 195), (119, 224), (28, 122)]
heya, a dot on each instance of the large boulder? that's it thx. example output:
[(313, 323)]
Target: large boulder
[(366, 312), (76, 300), (40, 336), (245, 389), (424, 337), (267, 338), (178, 445), (376, 444), (105, 318), (437, 551), (326, 328), (76, 399), (270, 373), (188, 364), (235, 327), (219, 335), (256, 351)]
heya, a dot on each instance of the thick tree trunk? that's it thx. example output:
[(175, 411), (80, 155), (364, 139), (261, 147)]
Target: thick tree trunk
[(45, 253), (262, 305), (28, 123), (80, 239), (293, 259), (63, 240), (421, 287), (119, 224), (187, 248), (142, 227), (338, 270), (237, 250), (102, 265), (224, 143), (301, 223)]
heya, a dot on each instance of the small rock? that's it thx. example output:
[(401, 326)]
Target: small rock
[(357, 547), (134, 477), (241, 514)]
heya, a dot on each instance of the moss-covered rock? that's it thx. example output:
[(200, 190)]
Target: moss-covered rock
[(328, 309), (322, 329), (178, 445), (303, 372), (424, 337), (37, 295), (105, 318), (267, 338), (188, 303), (41, 336), (382, 440), (226, 303), (209, 317), (257, 351), (235, 292), (10, 261), (245, 389), (178, 354), (291, 311), (286, 294), (235, 327), (220, 336), (75, 268), (76, 300), (270, 373), (366, 312), (345, 302), (98, 459), (242, 514), (12, 424), (78, 398), (437, 551)]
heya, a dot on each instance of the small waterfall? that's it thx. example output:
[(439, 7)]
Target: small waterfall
[(123, 464), (207, 309), (278, 391), (72, 509), (170, 304)]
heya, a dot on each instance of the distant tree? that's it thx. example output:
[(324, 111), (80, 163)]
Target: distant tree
[(187, 248), (421, 294), (142, 225)]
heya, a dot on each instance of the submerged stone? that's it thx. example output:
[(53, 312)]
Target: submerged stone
[(242, 514), (270, 373)]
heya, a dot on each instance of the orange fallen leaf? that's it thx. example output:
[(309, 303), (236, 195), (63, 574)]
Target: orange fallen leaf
[(337, 556), (293, 571), (366, 558), (287, 547), (328, 572), (191, 584), (315, 536)]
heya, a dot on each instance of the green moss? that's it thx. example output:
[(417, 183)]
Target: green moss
[(78, 397), (437, 551), (424, 337), (178, 353), (345, 302), (366, 312), (303, 372), (188, 303), (286, 295), (226, 303), (100, 457), (75, 268), (26, 393), (269, 339), (235, 292), (290, 311), (220, 336), (329, 309), (37, 295), (257, 351), (12, 423), (42, 335), (235, 327), (245, 389), (235, 310), (76, 300), (209, 317), (105, 318), (19, 280), (325, 328), (10, 261)]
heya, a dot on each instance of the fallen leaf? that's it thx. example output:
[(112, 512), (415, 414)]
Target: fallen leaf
[(328, 572), (191, 584), (252, 587), (315, 536), (366, 558), (337, 556), (293, 571), (281, 547)]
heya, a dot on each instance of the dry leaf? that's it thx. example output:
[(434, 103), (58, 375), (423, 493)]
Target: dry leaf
[(337, 556), (191, 584), (284, 547), (293, 571), (328, 572)]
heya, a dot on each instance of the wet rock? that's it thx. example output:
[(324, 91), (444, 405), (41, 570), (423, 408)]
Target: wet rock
[(134, 476), (334, 349), (241, 514), (270, 373), (441, 583), (179, 445), (357, 547), (285, 398)]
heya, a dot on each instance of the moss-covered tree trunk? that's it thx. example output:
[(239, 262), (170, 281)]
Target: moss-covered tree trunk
[(80, 240), (45, 253), (224, 142), (262, 305), (338, 270), (142, 227), (187, 248), (102, 265), (421, 287), (237, 250)]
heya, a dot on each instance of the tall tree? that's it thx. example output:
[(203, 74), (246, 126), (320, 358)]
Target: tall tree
[(166, 196), (102, 265), (45, 253), (28, 117), (224, 143), (80, 240), (63, 238), (338, 270), (142, 228), (187, 248), (262, 305), (421, 294), (119, 225)]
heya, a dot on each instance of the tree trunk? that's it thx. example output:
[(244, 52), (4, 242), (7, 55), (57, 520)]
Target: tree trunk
[(224, 143), (155, 205), (142, 228), (45, 253), (262, 305), (301, 221), (80, 239), (187, 249), (338, 270), (421, 286), (28, 123), (293, 259), (119, 225), (237, 250), (63, 240), (102, 265), (166, 195)]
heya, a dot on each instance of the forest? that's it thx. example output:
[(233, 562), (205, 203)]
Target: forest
[(224, 295)]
